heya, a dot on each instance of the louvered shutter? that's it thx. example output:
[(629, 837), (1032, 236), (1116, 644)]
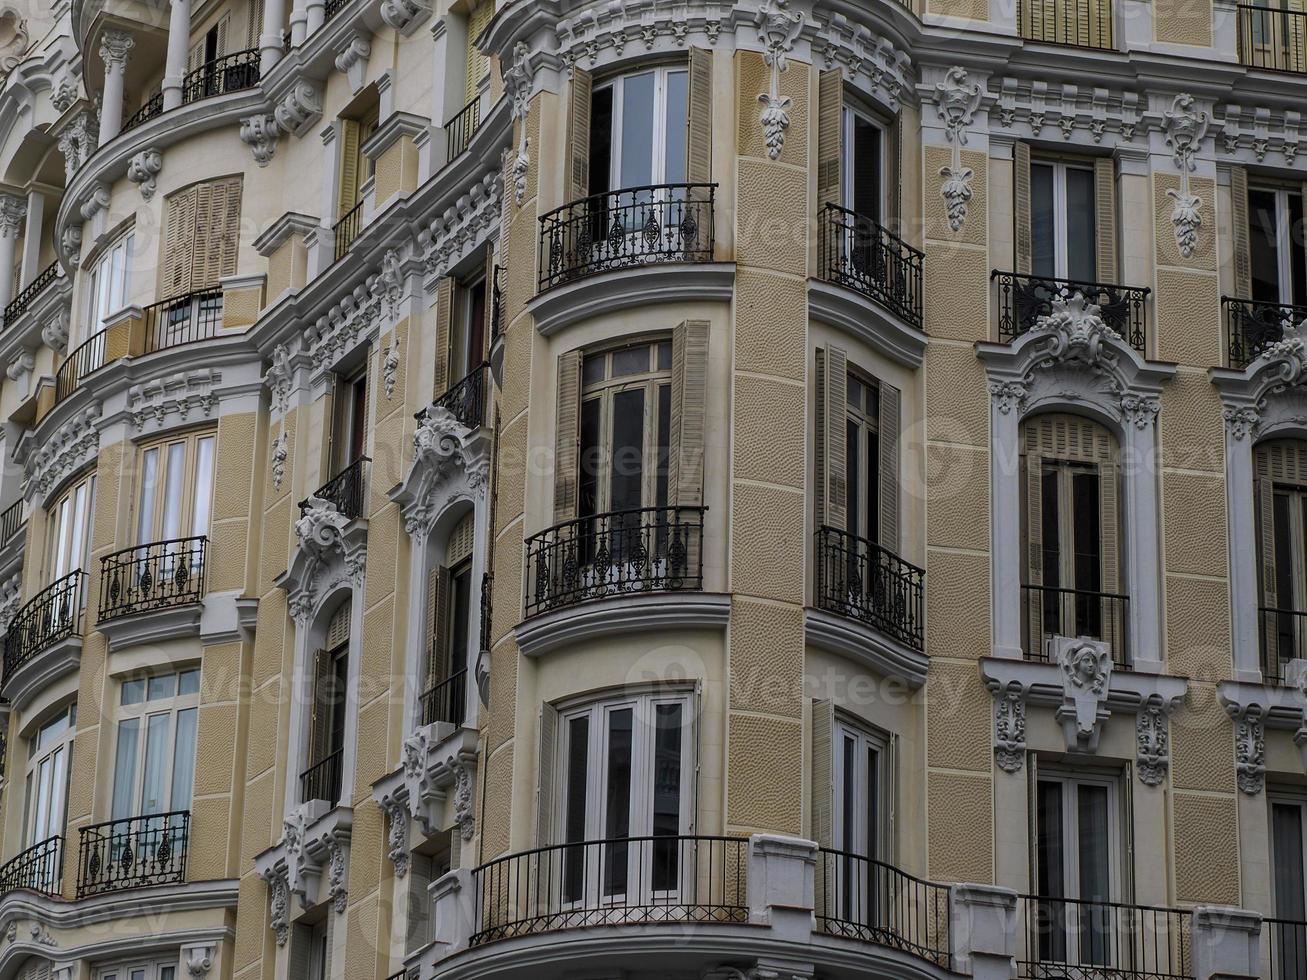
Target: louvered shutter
[(349, 167), (1105, 219), (1243, 276), (418, 932), (823, 772), (689, 384), (195, 57), (432, 604), (488, 304), (548, 741), (890, 423), (1109, 492), (320, 725), (578, 136), (567, 435), (831, 435), (441, 654), (1033, 501), (444, 324), (202, 259), (1021, 208), (227, 215), (477, 64), (698, 145), (179, 242), (830, 138), (255, 27), (1266, 534), (221, 29)]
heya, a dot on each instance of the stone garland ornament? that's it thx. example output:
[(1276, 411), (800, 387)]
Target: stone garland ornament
[(1153, 743), (463, 814), (517, 83), (778, 29), (390, 368), (1010, 729), (1185, 129), (956, 100)]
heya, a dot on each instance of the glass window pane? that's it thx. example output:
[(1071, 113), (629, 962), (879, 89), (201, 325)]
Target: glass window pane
[(41, 823), (161, 686), (1042, 221), (617, 799), (637, 130), (124, 773), (601, 141), (593, 368), (173, 489), (592, 457), (1297, 258), (1051, 883), (183, 761), (133, 691), (872, 776), (627, 479), (1095, 884), (156, 761), (80, 506), (1081, 255), (666, 793), (630, 360), (853, 475), (149, 481), (203, 485), (188, 682), (574, 800), (664, 434), (865, 176), (675, 125), (665, 356), (1264, 249)]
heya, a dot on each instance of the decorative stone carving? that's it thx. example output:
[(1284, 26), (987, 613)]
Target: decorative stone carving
[(1153, 742), (352, 60), (260, 133), (463, 228), (69, 447), (1074, 331), (337, 876), (115, 49), (277, 460), (956, 100), (199, 958), (1086, 669), (517, 84), (11, 599), (391, 281), (390, 368), (1010, 728), (78, 141), (299, 108), (1140, 411), (463, 815), (279, 904), (22, 363), (97, 200), (143, 169), (450, 462), (1241, 421), (12, 212), (70, 243), (1286, 358), (1007, 395), (778, 29), (1249, 748), (279, 379), (186, 394), (330, 552), (54, 334), (397, 838), (64, 94), (404, 15), (1185, 128), (956, 191)]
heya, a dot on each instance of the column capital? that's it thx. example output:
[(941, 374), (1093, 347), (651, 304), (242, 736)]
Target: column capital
[(115, 49)]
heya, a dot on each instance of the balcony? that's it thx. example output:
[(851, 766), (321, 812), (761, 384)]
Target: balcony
[(859, 254), (1088, 940), (460, 130), (233, 72), (150, 577), (1023, 299), (859, 579), (1272, 38), (347, 229), (183, 320), (79, 365), (23, 301), (1253, 325), (344, 491), (1283, 635), (52, 615), (654, 549), (152, 107), (12, 522), (1287, 939), (445, 702), (624, 881), (40, 868), (332, 7), (625, 229), (1048, 611), (873, 902), (466, 400), (322, 779), (133, 853), (1074, 23)]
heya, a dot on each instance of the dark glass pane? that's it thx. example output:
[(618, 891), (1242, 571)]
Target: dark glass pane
[(476, 312), (853, 474), (664, 431), (871, 511), (675, 126), (872, 849), (1263, 230), (849, 872), (1052, 553), (1297, 258), (1289, 940), (666, 793), (1050, 925), (627, 479), (1088, 554), (592, 456), (601, 141), (461, 620), (617, 801), (1081, 256), (1283, 563), (1043, 227), (866, 176), (630, 360), (1095, 921), (578, 748)]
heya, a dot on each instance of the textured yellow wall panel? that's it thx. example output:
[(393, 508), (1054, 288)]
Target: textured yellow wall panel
[(384, 532), (957, 497), (766, 653), (772, 237), (510, 475), (760, 750), (1207, 864), (957, 292), (960, 815), (361, 952), (236, 441), (274, 548), (367, 848), (771, 437), (768, 338), (269, 637), (957, 604), (959, 718), (252, 926), (226, 556), (937, 227), (240, 307), (281, 265), (766, 522), (214, 762), (206, 858), (1168, 249), (503, 691), (257, 824), (1193, 433), (1194, 519), (498, 802), (957, 396), (1198, 626), (1183, 22), (1188, 318), (1202, 743)]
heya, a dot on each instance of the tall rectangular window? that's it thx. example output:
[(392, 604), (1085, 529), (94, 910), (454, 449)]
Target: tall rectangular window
[(1276, 245), (1289, 860), (864, 164), (175, 496), (1062, 218), (109, 285), (154, 761)]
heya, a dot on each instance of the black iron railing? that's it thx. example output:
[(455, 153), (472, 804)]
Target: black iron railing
[(446, 701), (1079, 23), (860, 579), (861, 898), (1022, 300), (134, 853), (40, 868), (632, 227), (653, 549), (53, 614), (460, 130), (11, 522), (1049, 611), (347, 229), (79, 365), (321, 780), (1252, 325), (1283, 635), (345, 490), (1085, 940), (20, 303), (1287, 942), (183, 320), (625, 880), (153, 107), (1272, 37), (497, 304), (487, 608), (856, 252), (233, 72), (333, 7), (466, 400), (152, 576)]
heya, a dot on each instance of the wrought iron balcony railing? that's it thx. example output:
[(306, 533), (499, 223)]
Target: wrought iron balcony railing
[(345, 490), (233, 72), (1252, 325), (1287, 942), (497, 304), (466, 400), (460, 130), (1049, 611), (1087, 940), (623, 881), (152, 576), (487, 608), (40, 868), (79, 365), (1283, 635), (622, 229), (23, 301), (134, 853), (1078, 23), (53, 614), (1274, 38), (333, 7), (347, 229), (860, 579), (446, 701), (654, 549), (183, 320), (868, 900), (321, 780), (856, 252), (1022, 300), (152, 107), (11, 522)]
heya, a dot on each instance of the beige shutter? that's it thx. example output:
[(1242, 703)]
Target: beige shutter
[(567, 435), (689, 384), (1105, 218), (1243, 276), (1021, 207), (202, 259), (889, 424), (698, 143), (349, 167), (578, 136), (195, 57), (1109, 492), (830, 449), (478, 66), (255, 27), (442, 657), (894, 174), (223, 25), (487, 320), (178, 243), (320, 723), (444, 325), (228, 215), (1270, 598), (548, 742), (823, 773), (830, 138), (1033, 501), (430, 632)]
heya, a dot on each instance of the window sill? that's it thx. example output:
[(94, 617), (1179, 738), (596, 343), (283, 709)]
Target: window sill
[(597, 618), (607, 292)]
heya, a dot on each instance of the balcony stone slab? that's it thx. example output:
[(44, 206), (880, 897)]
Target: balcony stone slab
[(311, 862), (605, 293), (653, 613), (865, 645), (866, 320), (57, 660)]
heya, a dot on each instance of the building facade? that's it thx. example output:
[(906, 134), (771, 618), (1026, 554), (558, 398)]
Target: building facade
[(652, 489)]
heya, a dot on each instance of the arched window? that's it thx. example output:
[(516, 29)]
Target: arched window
[(1281, 475)]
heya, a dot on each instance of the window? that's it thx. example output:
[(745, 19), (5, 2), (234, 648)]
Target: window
[(1281, 475), (349, 431), (449, 625), (201, 237), (625, 150), (864, 164), (154, 760), (1275, 241), (1062, 217), (211, 46), (46, 781), (322, 777), (1289, 859), (109, 283), (863, 458), (467, 339), (139, 970), (860, 791), (478, 65), (176, 489), (356, 168), (69, 531)]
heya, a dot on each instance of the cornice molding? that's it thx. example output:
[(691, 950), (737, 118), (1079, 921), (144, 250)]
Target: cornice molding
[(653, 613)]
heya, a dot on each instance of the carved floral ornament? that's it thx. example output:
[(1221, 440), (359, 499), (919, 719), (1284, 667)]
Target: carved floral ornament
[(517, 84), (778, 30), (448, 465), (956, 100), (324, 558), (1185, 128), (1271, 389)]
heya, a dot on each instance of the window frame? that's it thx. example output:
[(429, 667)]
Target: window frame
[(61, 745), (159, 969), (101, 307), (1286, 249), (850, 113), (191, 504), (1297, 800), (349, 417), (1061, 243), (863, 489), (142, 711), (63, 554), (616, 84)]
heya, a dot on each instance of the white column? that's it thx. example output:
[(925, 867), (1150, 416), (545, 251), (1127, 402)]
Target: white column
[(270, 43), (179, 42), (1143, 570), (115, 49), (316, 11), (11, 226), (1005, 511), (299, 20), (32, 237), (1239, 497)]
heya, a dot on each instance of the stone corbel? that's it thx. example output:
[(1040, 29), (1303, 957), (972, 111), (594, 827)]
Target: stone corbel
[(1010, 727), (54, 334), (352, 59), (278, 901), (70, 244), (436, 758), (1153, 740), (21, 365), (260, 133), (299, 108), (1086, 668), (97, 201), (1295, 678), (144, 169), (405, 16), (314, 846), (199, 958), (1249, 747)]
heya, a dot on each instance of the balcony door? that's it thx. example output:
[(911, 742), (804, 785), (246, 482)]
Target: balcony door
[(324, 760), (467, 339), (69, 532), (176, 494), (860, 824), (349, 426), (1289, 859), (863, 166), (46, 781), (1276, 248), (1281, 474), (154, 761), (1062, 220), (449, 628), (638, 130)]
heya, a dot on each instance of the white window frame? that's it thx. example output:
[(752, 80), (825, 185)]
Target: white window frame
[(1283, 235), (69, 527), (1061, 259), (116, 261), (142, 711), (658, 171), (165, 969), (864, 738), (852, 113), (1299, 802), (182, 497), (60, 747)]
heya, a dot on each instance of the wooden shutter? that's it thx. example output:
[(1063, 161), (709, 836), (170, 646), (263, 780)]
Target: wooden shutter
[(202, 255), (689, 384), (488, 304), (548, 742), (578, 136), (889, 424), (1105, 218), (1033, 501), (830, 138), (444, 325), (823, 773), (349, 167), (255, 27), (698, 143), (1243, 275), (831, 435), (178, 242), (442, 657), (221, 29), (1109, 512), (478, 66), (338, 627), (320, 723), (567, 435), (1266, 540), (894, 174), (1024, 247), (217, 232), (430, 632), (195, 57)]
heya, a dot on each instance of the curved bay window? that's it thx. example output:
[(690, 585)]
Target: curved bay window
[(1281, 481), (154, 763), (449, 629), (321, 778), (49, 751), (1071, 582), (68, 531)]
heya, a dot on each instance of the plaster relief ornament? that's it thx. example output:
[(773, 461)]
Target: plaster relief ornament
[(1152, 742), (54, 334), (403, 15), (390, 368), (1295, 678), (144, 169), (397, 837), (390, 280), (1007, 395), (956, 101), (1287, 357), (14, 39), (517, 83), (778, 29), (1074, 331), (1010, 729), (70, 242), (1185, 130), (277, 462), (1241, 421), (1250, 752), (260, 133), (1086, 668), (279, 904), (463, 815), (279, 378)]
